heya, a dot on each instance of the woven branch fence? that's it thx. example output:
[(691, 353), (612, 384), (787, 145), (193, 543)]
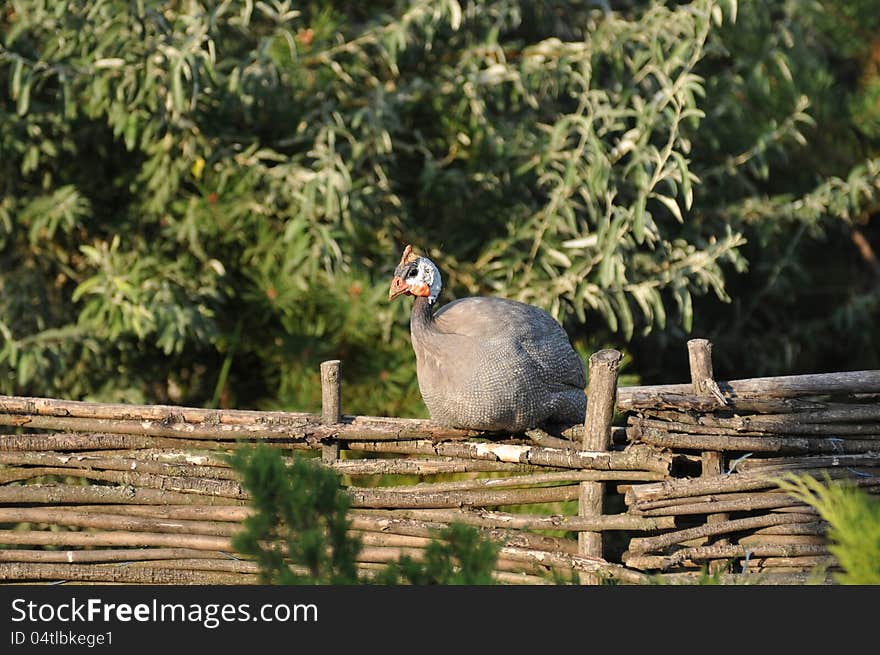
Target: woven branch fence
[(660, 483)]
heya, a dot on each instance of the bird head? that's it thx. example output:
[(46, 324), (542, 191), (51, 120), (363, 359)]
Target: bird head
[(415, 276)]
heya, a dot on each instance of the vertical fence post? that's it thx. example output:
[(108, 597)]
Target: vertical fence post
[(703, 381), (331, 412), (601, 400)]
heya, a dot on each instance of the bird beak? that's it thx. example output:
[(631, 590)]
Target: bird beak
[(398, 287)]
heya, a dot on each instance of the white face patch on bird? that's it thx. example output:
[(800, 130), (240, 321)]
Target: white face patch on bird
[(416, 276)]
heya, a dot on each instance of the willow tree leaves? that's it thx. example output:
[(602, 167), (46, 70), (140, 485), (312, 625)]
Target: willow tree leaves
[(175, 175)]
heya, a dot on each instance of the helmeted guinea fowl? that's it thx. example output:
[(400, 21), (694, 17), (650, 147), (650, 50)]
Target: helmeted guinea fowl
[(488, 363)]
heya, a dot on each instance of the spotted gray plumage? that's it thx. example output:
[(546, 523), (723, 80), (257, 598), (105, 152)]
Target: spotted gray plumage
[(489, 363)]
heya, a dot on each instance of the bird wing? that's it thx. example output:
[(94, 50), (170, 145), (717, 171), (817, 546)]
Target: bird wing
[(503, 321)]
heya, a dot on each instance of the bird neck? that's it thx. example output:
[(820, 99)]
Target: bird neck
[(422, 318)]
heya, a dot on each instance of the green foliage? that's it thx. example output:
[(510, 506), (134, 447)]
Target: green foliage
[(853, 524), (199, 202), (463, 557), (303, 508), (300, 520)]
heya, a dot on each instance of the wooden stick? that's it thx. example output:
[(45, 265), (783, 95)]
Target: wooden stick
[(687, 424), (751, 539), (701, 553), (161, 413), (331, 412), (151, 428), (91, 461), (430, 466), (716, 484), (492, 519), (349, 428), (789, 386), (199, 564), (803, 563), (632, 459), (86, 519), (809, 526), (526, 480), (830, 413), (115, 538), (195, 457), (65, 493), (601, 394), (638, 433), (189, 485), (215, 466), (723, 503), (757, 424), (117, 573), (648, 401), (378, 498), (650, 544), (104, 441), (105, 555), (373, 538), (738, 503), (860, 460), (231, 513), (703, 381)]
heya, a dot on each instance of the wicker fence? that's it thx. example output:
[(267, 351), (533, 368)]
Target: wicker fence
[(142, 494)]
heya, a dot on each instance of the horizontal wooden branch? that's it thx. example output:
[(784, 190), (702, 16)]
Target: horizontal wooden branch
[(802, 563), (788, 386), (390, 539), (106, 521), (807, 423), (731, 551), (94, 555), (196, 457), (390, 498), (222, 512), (493, 519), (114, 538), (187, 485), (648, 400), (858, 460), (123, 574), (160, 413), (527, 480), (77, 441), (808, 526), (222, 425), (641, 545), (716, 484), (697, 426), (170, 420), (116, 463), (632, 459), (69, 493), (722, 503), (424, 466), (763, 443), (199, 564), (764, 539)]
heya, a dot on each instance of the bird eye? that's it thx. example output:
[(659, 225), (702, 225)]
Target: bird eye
[(411, 273)]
